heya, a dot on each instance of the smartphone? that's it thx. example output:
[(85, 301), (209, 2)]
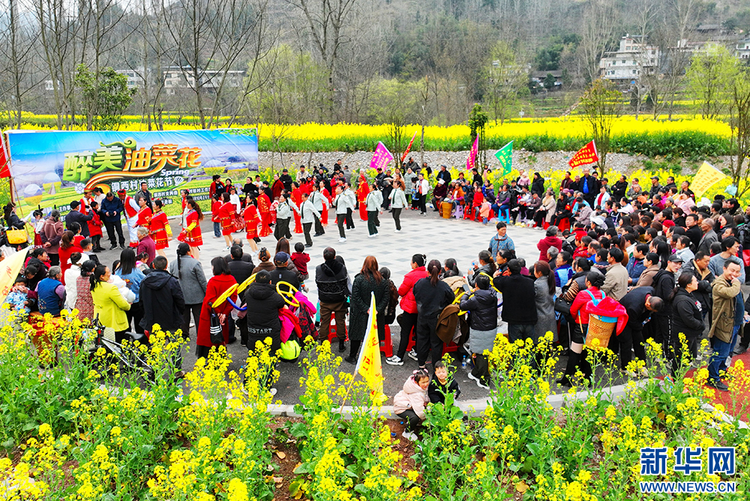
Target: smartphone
[(467, 289)]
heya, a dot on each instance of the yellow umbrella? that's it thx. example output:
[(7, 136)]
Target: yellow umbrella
[(9, 269)]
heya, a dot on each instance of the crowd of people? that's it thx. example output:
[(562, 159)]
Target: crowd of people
[(674, 266)]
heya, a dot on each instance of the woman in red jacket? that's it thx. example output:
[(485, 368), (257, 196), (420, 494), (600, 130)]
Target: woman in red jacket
[(408, 319), (577, 360), (217, 285)]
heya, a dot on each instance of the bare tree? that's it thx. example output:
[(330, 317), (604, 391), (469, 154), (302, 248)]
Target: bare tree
[(211, 40), (326, 21), (17, 50), (739, 121), (599, 21), (58, 30), (601, 105)]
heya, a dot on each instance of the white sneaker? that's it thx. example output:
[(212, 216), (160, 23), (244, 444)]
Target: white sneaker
[(373, 235), (398, 231), (342, 239), (394, 360), (412, 437), (273, 392), (413, 355), (479, 381)]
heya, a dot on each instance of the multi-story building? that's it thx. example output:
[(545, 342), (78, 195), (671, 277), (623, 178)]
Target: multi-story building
[(178, 78), (633, 60), (742, 50)]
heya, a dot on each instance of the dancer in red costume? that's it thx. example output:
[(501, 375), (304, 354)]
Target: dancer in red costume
[(297, 199), (252, 220), (158, 228), (363, 189), (264, 207)]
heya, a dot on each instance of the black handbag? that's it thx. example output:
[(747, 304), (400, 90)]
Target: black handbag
[(217, 333), (562, 306)]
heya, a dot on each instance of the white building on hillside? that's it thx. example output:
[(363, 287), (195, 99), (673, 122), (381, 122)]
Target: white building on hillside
[(633, 60)]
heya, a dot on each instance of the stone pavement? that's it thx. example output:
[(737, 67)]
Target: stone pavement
[(436, 237)]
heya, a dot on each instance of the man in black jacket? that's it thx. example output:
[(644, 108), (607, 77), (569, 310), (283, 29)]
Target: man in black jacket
[(639, 303), (286, 180), (518, 294), (282, 273), (241, 269), (332, 280), (75, 216), (163, 303), (162, 299), (111, 211)]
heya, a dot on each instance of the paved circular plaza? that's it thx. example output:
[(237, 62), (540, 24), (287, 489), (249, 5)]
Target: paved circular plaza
[(432, 235)]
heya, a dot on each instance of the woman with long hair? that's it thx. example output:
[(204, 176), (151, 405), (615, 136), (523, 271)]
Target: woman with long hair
[(193, 233), (189, 273), (70, 279), (133, 277), (431, 295), (544, 298), (158, 228), (83, 301), (221, 280), (367, 281), (109, 305)]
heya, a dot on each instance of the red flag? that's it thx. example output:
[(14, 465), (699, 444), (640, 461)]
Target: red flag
[(473, 154), (584, 156), (408, 148), (4, 164)]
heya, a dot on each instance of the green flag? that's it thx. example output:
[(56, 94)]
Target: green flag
[(505, 157)]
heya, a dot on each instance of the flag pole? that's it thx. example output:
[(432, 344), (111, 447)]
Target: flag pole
[(370, 319)]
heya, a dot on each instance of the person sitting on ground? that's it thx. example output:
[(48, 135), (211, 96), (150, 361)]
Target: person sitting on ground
[(409, 404), (442, 384)]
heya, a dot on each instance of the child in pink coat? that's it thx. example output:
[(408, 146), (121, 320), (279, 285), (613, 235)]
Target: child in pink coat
[(409, 403)]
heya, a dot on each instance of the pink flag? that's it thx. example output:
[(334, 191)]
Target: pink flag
[(381, 157), (408, 148), (473, 154)]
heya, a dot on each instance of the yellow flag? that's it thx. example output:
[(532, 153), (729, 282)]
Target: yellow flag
[(9, 269), (368, 364), (707, 176)]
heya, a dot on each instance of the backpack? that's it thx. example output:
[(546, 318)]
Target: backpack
[(447, 323)]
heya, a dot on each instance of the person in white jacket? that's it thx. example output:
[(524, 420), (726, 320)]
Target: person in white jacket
[(343, 205), (71, 276), (352, 205), (374, 202), (318, 200), (308, 215), (398, 202), (409, 403)]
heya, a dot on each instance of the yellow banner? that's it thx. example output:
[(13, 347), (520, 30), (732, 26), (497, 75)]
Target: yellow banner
[(9, 269), (369, 365), (707, 176)]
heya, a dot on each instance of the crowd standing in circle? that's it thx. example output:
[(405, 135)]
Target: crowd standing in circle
[(674, 265)]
